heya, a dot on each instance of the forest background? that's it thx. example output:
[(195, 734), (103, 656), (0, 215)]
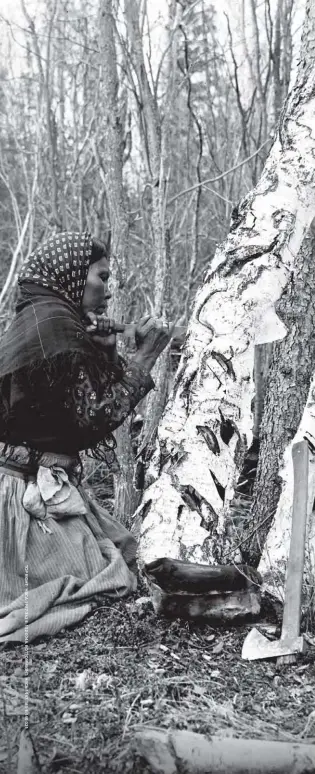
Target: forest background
[(151, 122)]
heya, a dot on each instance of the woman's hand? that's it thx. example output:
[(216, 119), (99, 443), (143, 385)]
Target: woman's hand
[(103, 331), (152, 335)]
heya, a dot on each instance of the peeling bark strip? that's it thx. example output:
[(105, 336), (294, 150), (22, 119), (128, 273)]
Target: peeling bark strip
[(233, 311)]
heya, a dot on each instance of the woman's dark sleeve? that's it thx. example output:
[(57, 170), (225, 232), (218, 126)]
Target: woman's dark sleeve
[(102, 404)]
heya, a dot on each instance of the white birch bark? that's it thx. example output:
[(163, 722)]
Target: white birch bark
[(207, 424)]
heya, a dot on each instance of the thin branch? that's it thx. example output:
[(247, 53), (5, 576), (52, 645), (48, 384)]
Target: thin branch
[(216, 193), (219, 177), (15, 257)]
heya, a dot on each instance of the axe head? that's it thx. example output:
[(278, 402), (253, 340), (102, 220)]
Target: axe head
[(256, 646)]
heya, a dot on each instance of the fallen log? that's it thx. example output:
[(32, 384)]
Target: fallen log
[(184, 752)]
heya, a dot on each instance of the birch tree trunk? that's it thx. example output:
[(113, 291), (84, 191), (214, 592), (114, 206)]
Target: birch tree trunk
[(126, 497), (207, 427)]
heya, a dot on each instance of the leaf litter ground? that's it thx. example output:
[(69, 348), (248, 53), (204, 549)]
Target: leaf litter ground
[(92, 687)]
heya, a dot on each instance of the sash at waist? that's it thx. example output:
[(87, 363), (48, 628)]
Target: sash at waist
[(50, 491), (18, 458), (16, 469)]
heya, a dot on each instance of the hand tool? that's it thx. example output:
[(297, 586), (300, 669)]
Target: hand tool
[(256, 646)]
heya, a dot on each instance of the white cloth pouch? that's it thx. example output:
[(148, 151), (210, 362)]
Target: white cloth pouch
[(52, 494)]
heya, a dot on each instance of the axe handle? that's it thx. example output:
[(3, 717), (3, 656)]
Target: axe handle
[(294, 578), (130, 329)]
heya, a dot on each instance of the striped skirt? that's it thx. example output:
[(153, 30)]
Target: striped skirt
[(52, 572)]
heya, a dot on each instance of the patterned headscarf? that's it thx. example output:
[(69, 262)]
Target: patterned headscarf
[(61, 264)]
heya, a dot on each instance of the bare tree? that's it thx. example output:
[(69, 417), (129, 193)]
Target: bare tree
[(112, 168), (154, 125)]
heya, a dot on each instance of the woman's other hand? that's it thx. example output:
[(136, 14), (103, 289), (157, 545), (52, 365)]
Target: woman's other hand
[(152, 335)]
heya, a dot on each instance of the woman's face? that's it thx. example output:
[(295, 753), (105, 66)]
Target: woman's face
[(96, 287)]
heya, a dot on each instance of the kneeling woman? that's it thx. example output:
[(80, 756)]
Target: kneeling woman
[(63, 388)]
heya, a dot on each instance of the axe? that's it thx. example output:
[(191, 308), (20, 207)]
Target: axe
[(128, 330), (256, 646)]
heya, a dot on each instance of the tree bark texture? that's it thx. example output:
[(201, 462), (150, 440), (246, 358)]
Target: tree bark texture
[(288, 384)]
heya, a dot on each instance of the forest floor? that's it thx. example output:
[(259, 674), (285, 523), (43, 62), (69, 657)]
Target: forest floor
[(123, 669)]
